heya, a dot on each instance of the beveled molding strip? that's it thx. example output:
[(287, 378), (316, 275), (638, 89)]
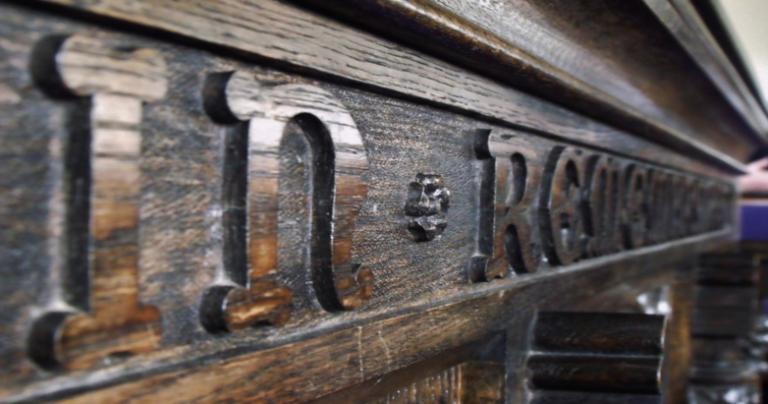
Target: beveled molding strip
[(431, 27), (497, 56), (192, 373), (291, 35), (682, 19)]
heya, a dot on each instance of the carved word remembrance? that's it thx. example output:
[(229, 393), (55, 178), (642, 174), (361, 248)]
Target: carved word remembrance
[(535, 208), (556, 207)]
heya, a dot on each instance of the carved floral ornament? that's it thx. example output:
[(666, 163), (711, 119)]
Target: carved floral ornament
[(535, 208), (428, 201)]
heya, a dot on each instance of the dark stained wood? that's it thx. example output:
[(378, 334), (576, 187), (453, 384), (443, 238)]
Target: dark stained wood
[(470, 373), (597, 353), (569, 397), (682, 18), (99, 234), (550, 49), (244, 200), (726, 307), (397, 68), (189, 374), (629, 333), (677, 341), (335, 164)]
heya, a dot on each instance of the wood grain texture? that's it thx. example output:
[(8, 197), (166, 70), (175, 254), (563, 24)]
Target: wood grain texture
[(421, 305), (564, 52), (99, 273), (597, 353), (444, 387), (678, 352), (353, 55), (355, 352), (333, 174), (724, 321), (469, 382), (476, 369), (552, 32)]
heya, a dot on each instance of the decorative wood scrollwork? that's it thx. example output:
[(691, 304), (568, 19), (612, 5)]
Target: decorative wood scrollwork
[(635, 206), (106, 87), (311, 122), (658, 194)]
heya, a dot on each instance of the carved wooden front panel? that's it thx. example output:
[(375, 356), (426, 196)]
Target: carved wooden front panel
[(196, 209)]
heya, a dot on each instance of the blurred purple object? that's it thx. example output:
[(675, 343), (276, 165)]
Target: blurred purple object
[(754, 222)]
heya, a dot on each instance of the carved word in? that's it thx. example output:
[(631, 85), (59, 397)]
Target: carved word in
[(307, 125)]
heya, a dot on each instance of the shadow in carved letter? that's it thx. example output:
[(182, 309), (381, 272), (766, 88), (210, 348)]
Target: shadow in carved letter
[(311, 125), (582, 357), (101, 316), (507, 189), (562, 207), (602, 224), (635, 206)]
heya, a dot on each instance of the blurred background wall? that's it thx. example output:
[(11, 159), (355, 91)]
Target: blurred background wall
[(748, 22)]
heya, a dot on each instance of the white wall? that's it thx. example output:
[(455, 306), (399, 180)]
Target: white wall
[(748, 22)]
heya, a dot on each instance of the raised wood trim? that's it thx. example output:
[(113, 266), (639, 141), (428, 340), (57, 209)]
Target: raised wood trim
[(279, 31), (481, 39), (682, 20), (359, 347)]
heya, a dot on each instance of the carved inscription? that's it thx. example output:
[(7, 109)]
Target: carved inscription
[(550, 208), (306, 124), (104, 88), (634, 222)]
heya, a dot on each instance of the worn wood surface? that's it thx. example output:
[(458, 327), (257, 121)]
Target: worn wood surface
[(468, 374), (580, 54), (592, 354), (271, 229), (358, 350), (98, 272), (353, 55)]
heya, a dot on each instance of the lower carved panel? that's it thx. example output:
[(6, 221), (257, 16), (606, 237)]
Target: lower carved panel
[(470, 382), (596, 357)]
